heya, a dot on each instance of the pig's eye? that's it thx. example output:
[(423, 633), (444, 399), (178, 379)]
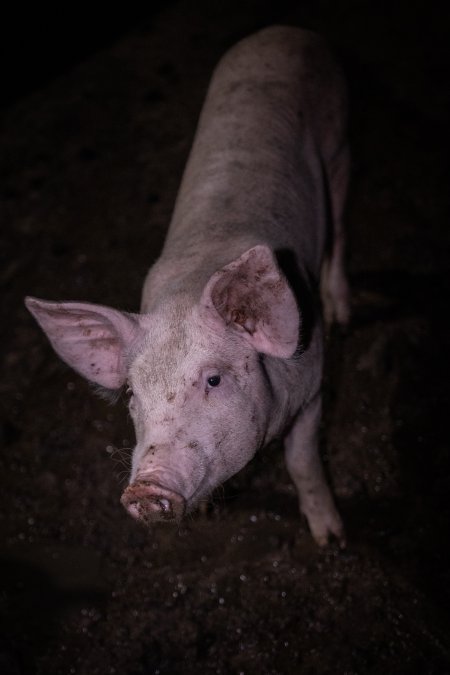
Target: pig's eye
[(129, 393), (214, 380)]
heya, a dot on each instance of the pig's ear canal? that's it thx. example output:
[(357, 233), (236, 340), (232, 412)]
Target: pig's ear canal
[(252, 295), (92, 339)]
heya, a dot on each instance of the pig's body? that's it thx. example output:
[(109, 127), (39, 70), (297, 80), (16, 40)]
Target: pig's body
[(270, 140), (214, 360)]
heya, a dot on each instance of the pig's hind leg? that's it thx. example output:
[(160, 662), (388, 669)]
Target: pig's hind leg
[(334, 286), (305, 468)]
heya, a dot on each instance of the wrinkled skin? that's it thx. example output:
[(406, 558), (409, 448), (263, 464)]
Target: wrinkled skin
[(227, 351)]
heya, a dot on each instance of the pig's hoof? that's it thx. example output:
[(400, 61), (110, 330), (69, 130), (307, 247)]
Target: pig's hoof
[(326, 525), (150, 502)]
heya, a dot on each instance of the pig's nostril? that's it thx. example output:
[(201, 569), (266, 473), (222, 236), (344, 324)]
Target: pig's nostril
[(158, 505), (164, 504)]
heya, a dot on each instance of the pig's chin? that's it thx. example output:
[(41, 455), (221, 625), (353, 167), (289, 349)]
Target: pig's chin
[(199, 497), (215, 479)]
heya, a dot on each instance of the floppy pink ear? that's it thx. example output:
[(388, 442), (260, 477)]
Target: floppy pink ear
[(92, 339), (253, 296)]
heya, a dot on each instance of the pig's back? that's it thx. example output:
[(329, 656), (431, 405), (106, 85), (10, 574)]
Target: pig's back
[(271, 123), (291, 73)]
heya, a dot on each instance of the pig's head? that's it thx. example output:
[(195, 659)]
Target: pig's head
[(199, 392)]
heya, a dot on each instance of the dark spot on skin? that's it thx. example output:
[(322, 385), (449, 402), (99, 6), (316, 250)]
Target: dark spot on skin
[(150, 451), (171, 397), (193, 444), (106, 343)]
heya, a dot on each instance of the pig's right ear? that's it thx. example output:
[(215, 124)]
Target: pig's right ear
[(92, 339)]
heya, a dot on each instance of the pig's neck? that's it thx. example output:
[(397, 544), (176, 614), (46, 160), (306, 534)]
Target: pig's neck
[(295, 382), (184, 270)]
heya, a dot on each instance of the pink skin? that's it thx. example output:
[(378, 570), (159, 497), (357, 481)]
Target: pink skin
[(211, 362)]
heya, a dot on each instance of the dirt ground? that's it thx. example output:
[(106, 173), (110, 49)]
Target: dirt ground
[(90, 164)]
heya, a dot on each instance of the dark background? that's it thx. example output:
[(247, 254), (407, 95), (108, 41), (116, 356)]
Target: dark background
[(97, 116)]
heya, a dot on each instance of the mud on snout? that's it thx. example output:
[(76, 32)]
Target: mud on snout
[(149, 502)]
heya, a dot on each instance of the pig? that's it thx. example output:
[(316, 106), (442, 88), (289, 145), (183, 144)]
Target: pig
[(226, 353)]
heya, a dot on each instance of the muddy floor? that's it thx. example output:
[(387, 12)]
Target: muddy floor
[(90, 163)]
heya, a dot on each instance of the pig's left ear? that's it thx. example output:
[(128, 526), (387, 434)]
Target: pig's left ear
[(92, 339), (253, 296)]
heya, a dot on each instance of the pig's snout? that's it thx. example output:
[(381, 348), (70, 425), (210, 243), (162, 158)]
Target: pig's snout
[(150, 502)]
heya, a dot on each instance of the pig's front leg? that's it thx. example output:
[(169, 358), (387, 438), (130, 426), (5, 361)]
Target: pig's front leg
[(305, 467)]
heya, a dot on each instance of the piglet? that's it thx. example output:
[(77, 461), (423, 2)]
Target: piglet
[(226, 353)]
